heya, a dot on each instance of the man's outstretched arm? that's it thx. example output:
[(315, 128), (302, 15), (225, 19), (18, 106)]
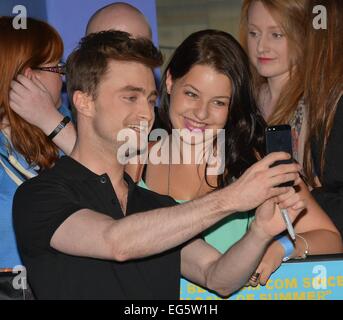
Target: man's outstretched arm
[(91, 234)]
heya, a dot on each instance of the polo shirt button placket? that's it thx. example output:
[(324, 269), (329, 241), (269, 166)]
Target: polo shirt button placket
[(103, 180)]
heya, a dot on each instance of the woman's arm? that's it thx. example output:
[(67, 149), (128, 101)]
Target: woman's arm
[(316, 227), (31, 100), (315, 233)]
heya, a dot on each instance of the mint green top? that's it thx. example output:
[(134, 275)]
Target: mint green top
[(225, 233)]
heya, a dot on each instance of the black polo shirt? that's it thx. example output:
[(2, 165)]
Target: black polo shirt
[(43, 203)]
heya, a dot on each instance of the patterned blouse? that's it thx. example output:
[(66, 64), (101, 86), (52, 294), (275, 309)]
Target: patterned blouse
[(296, 124)]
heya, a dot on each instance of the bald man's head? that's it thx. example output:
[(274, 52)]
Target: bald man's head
[(120, 16)]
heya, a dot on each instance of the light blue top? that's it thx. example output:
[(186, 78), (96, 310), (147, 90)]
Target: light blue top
[(9, 256), (225, 233)]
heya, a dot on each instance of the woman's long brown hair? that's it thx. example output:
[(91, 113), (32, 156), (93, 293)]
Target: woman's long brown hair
[(19, 49), (323, 69)]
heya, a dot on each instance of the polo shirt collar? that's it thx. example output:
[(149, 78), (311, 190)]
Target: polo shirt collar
[(75, 170)]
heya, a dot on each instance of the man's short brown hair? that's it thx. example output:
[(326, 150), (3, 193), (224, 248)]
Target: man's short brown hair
[(89, 61)]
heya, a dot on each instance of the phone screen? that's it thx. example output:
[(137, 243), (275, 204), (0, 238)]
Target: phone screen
[(279, 138)]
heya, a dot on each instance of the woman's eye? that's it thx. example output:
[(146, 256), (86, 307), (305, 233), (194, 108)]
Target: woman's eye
[(191, 94), (219, 103), (253, 34), (277, 35)]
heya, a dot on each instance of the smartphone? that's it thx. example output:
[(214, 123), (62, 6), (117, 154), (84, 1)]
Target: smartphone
[(279, 138)]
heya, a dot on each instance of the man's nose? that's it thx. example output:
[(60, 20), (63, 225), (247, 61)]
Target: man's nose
[(146, 112)]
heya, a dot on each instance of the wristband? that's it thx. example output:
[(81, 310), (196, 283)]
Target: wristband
[(60, 126), (287, 245)]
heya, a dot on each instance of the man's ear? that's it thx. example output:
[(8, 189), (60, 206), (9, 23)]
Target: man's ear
[(84, 103), (169, 82)]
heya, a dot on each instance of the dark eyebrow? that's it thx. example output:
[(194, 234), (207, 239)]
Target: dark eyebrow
[(218, 97), (138, 89), (132, 88), (222, 97), (189, 85)]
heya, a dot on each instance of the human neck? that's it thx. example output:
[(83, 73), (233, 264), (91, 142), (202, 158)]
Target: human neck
[(196, 154), (271, 93), (188, 180), (100, 160), (276, 84)]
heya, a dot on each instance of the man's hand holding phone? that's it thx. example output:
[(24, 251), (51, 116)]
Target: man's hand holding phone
[(260, 182)]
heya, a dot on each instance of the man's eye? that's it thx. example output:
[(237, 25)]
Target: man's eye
[(131, 98), (152, 103)]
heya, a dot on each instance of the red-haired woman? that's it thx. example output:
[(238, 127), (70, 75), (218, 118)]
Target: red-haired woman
[(272, 33), (33, 53)]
